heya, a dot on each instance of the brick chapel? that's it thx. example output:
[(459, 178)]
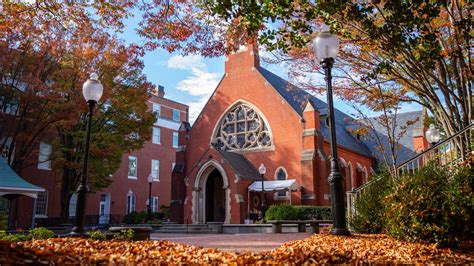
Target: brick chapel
[(255, 117)]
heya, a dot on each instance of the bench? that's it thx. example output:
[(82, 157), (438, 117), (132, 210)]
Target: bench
[(140, 232), (314, 225)]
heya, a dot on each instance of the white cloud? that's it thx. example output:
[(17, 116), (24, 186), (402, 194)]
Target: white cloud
[(200, 83)]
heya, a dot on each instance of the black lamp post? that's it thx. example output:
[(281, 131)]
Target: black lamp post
[(92, 91), (262, 170), (150, 181), (326, 48)]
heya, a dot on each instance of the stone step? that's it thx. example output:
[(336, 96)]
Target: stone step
[(187, 228), (208, 231)]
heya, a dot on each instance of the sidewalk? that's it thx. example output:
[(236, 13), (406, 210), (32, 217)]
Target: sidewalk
[(234, 243)]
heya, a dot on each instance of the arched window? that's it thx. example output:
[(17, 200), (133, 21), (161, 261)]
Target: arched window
[(242, 128), (280, 174)]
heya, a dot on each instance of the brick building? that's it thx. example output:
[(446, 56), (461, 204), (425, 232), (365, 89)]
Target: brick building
[(255, 117), (129, 190)]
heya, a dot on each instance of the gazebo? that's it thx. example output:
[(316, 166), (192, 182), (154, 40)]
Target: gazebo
[(13, 186)]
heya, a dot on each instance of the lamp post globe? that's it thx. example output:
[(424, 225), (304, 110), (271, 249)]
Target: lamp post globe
[(432, 135), (326, 48), (150, 182), (263, 205), (92, 91)]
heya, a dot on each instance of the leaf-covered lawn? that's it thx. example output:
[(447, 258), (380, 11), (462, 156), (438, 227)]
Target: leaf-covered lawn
[(315, 249)]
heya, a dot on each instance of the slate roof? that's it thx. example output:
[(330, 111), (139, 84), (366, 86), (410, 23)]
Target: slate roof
[(240, 164), (297, 99), (407, 149), (11, 181)]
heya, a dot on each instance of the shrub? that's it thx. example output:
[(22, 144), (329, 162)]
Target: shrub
[(3, 221), (125, 234), (135, 217), (40, 233), (306, 212), (97, 235), (369, 217), (432, 205), (281, 212), (13, 237), (165, 210)]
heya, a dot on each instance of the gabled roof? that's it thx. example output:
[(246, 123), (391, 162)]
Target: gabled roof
[(243, 168), (11, 183), (297, 99), (406, 150)]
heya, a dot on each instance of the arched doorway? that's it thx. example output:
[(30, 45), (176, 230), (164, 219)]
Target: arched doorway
[(211, 194), (215, 197)]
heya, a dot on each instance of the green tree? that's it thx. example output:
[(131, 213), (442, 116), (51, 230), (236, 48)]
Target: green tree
[(47, 51)]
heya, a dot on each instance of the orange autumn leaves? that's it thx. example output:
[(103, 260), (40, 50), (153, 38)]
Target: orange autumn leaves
[(317, 249)]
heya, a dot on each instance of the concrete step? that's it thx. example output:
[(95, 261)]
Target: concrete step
[(187, 228), (209, 231), (190, 226)]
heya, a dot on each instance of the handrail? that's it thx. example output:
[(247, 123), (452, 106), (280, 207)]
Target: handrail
[(435, 146), (438, 148), (462, 131)]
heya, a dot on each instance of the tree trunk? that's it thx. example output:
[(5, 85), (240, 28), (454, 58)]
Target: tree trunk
[(65, 195)]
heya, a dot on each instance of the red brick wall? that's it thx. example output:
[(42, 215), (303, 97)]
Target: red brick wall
[(242, 82)]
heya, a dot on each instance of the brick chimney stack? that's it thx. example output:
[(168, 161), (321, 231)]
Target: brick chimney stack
[(160, 91), (242, 50)]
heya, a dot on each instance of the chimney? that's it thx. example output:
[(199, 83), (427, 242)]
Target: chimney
[(420, 143), (160, 92), (242, 50)]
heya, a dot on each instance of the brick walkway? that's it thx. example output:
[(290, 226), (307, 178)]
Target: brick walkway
[(236, 243)]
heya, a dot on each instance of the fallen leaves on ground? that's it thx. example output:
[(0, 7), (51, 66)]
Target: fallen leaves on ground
[(355, 249)]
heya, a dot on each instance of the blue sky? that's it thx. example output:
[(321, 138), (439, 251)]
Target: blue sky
[(192, 79)]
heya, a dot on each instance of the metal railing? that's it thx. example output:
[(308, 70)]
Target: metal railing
[(449, 153)]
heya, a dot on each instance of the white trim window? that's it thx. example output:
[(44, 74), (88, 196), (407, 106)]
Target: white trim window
[(73, 205), (176, 115), (156, 135), (154, 204), (175, 139), (155, 170), (281, 174), (45, 150), (157, 108), (42, 205), (132, 167), (172, 167), (131, 202)]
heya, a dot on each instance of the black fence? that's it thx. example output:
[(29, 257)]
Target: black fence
[(91, 221)]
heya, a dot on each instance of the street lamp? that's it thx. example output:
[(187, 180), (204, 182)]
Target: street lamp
[(326, 48), (150, 181), (432, 135), (92, 91), (262, 170)]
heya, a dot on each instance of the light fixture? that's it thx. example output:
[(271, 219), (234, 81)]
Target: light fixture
[(325, 45), (92, 89), (432, 135), (262, 170)]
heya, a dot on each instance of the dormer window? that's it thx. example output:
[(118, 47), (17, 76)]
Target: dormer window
[(326, 120), (242, 128)]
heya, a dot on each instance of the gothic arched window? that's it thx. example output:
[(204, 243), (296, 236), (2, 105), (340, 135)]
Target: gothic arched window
[(242, 128)]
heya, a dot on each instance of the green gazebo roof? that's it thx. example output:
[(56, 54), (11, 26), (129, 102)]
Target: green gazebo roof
[(12, 183)]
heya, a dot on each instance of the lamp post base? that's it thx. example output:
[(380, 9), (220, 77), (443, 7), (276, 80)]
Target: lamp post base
[(77, 232), (340, 232)]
